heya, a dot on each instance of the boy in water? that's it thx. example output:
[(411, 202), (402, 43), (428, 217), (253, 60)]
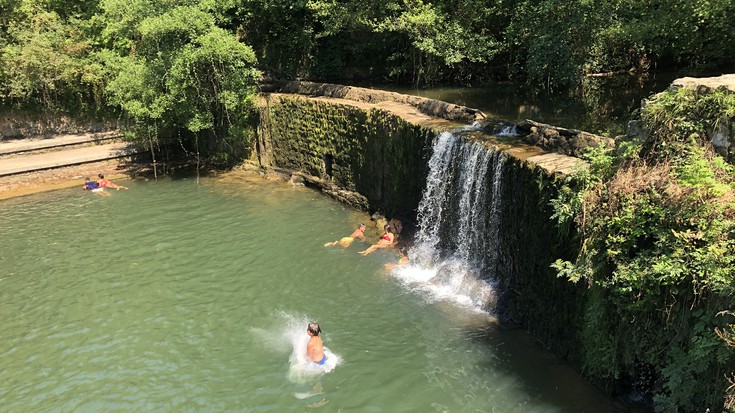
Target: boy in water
[(90, 185), (93, 186), (346, 241), (315, 347)]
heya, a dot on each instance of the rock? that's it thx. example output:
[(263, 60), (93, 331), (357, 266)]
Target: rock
[(704, 83), (565, 141), (296, 180)]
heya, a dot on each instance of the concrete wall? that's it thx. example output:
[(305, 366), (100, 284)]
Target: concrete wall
[(381, 151), (23, 125)]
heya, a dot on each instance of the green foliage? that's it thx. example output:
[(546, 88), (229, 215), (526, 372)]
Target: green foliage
[(50, 50), (282, 34), (175, 68), (552, 46), (657, 220), (680, 116), (439, 40), (48, 62)]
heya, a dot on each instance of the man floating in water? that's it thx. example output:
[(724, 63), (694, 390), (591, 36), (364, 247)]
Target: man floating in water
[(315, 347), (346, 241)]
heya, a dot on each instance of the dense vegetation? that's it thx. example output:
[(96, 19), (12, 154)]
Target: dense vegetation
[(188, 67), (657, 227), (656, 218)]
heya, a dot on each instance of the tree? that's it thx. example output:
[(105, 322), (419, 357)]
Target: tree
[(175, 70), (48, 61)]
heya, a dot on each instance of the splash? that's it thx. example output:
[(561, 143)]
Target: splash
[(290, 335)]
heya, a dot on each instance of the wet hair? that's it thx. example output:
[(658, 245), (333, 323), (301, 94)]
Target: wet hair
[(361, 224), (314, 328), (387, 227), (101, 176)]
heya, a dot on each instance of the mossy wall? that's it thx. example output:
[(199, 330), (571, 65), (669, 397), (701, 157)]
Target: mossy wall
[(372, 152), (550, 308)]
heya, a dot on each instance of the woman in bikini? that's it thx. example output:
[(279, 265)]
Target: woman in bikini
[(104, 183), (385, 241)]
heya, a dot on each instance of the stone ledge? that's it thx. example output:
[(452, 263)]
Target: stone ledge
[(724, 81), (427, 106), (570, 142), (28, 145), (70, 157)]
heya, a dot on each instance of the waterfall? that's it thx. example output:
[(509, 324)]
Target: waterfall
[(472, 192), (494, 226), (508, 131), (458, 220)]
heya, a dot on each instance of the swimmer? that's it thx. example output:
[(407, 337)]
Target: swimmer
[(402, 260), (104, 183), (346, 241), (385, 241), (93, 186), (315, 347)]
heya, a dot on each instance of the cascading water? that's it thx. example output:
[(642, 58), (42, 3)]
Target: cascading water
[(508, 131), (458, 223), (494, 225)]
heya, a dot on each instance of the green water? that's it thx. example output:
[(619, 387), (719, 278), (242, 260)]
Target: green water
[(601, 105), (176, 296)]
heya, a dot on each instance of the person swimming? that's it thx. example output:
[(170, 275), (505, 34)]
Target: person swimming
[(104, 183), (315, 347), (402, 260), (93, 186), (346, 241), (385, 241), (90, 185)]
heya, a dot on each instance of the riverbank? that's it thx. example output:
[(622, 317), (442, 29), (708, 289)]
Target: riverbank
[(67, 177)]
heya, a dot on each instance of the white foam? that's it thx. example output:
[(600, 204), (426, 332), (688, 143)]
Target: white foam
[(450, 280), (291, 334)]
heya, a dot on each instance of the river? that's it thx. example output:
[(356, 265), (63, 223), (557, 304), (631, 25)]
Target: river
[(601, 105), (179, 295)]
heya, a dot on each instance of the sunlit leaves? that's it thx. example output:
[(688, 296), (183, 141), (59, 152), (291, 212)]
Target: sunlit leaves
[(177, 69), (658, 228), (49, 62)]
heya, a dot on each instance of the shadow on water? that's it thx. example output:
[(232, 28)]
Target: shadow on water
[(540, 371)]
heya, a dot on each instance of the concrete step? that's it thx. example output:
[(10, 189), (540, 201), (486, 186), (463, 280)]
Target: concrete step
[(60, 141), (66, 157)]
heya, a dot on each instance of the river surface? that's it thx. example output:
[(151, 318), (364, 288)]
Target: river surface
[(183, 296), (601, 105)]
